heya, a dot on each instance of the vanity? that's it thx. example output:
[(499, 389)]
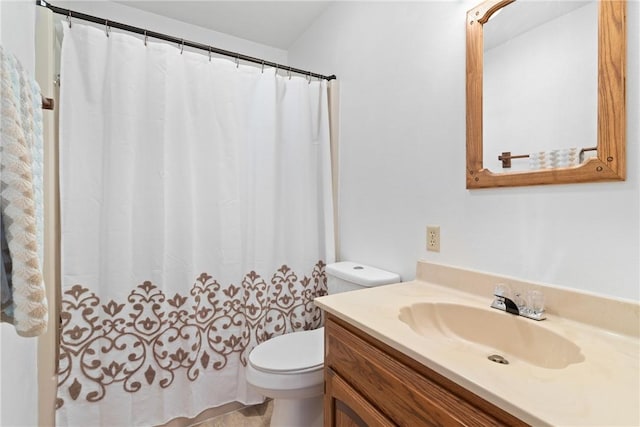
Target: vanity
[(417, 354), (369, 383)]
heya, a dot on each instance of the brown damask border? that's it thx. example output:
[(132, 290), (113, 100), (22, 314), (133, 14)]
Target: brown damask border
[(151, 338)]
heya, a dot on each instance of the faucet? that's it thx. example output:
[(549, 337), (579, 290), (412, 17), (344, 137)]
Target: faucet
[(533, 310), (509, 305)]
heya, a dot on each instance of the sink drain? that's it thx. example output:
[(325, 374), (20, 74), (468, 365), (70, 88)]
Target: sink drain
[(498, 359)]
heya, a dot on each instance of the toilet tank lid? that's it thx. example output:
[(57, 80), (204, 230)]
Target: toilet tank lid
[(361, 274)]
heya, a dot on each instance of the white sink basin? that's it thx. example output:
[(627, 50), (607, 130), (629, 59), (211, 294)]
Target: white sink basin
[(492, 332)]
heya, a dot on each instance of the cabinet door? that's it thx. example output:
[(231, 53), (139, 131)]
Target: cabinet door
[(344, 407)]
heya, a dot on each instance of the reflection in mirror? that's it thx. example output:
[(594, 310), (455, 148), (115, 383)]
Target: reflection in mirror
[(540, 84), (552, 85)]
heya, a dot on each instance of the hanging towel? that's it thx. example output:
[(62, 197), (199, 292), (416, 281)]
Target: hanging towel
[(24, 301), (560, 158)]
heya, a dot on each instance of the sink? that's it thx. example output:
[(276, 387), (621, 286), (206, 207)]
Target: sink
[(494, 332)]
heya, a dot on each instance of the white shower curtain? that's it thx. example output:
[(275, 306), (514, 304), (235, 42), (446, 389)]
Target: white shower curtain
[(196, 222)]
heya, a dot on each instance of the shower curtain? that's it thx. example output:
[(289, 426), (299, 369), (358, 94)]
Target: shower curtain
[(197, 219)]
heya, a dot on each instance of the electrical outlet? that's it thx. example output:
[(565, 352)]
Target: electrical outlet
[(433, 238)]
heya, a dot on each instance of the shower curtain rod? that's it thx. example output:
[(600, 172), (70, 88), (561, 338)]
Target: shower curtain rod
[(181, 42)]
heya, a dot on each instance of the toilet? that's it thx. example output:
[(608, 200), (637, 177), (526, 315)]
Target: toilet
[(289, 368)]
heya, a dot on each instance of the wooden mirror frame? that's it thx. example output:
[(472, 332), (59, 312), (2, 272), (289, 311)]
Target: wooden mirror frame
[(609, 165)]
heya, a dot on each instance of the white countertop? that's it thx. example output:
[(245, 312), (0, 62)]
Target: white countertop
[(602, 390)]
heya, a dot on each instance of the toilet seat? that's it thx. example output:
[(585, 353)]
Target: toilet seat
[(289, 366), (293, 353)]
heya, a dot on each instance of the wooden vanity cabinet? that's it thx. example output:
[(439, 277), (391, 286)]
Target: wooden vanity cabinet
[(368, 383)]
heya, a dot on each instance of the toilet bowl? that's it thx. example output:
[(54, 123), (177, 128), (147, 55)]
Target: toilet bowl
[(290, 368)]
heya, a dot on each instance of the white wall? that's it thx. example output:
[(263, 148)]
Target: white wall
[(17, 32), (401, 68), (128, 15), (18, 356)]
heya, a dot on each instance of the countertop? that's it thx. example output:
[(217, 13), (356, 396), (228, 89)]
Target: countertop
[(602, 390)]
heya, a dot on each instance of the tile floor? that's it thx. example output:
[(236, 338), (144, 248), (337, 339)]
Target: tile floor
[(251, 416)]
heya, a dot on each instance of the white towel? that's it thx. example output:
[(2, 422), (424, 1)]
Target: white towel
[(561, 158), (21, 198)]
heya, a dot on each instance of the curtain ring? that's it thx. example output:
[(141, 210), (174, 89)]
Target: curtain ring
[(209, 53), (237, 60), (263, 66), (145, 37), (181, 46), (107, 29), (69, 19), (289, 72), (309, 78)]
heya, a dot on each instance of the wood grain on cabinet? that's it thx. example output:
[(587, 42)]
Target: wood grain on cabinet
[(381, 386), (347, 407)]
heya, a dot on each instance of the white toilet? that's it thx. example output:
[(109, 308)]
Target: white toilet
[(289, 368)]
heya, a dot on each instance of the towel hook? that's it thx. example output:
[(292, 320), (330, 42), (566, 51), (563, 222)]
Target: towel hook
[(181, 46), (145, 37), (209, 53), (69, 19), (107, 29)]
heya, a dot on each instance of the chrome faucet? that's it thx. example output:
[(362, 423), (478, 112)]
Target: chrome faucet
[(532, 309)]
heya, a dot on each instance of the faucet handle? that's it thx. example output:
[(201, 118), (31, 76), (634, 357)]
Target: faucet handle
[(519, 301), (535, 301), (502, 291), (503, 299), (512, 302)]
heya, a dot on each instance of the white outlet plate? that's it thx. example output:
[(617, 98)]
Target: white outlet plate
[(433, 238)]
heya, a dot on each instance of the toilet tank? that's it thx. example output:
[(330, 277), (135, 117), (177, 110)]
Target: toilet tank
[(349, 276)]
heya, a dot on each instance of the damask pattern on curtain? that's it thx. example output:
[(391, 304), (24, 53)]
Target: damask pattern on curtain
[(197, 220)]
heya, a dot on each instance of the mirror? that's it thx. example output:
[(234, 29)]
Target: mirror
[(545, 52), (554, 111)]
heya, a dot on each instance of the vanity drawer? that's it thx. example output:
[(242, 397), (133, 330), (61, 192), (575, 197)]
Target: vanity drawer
[(405, 391)]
